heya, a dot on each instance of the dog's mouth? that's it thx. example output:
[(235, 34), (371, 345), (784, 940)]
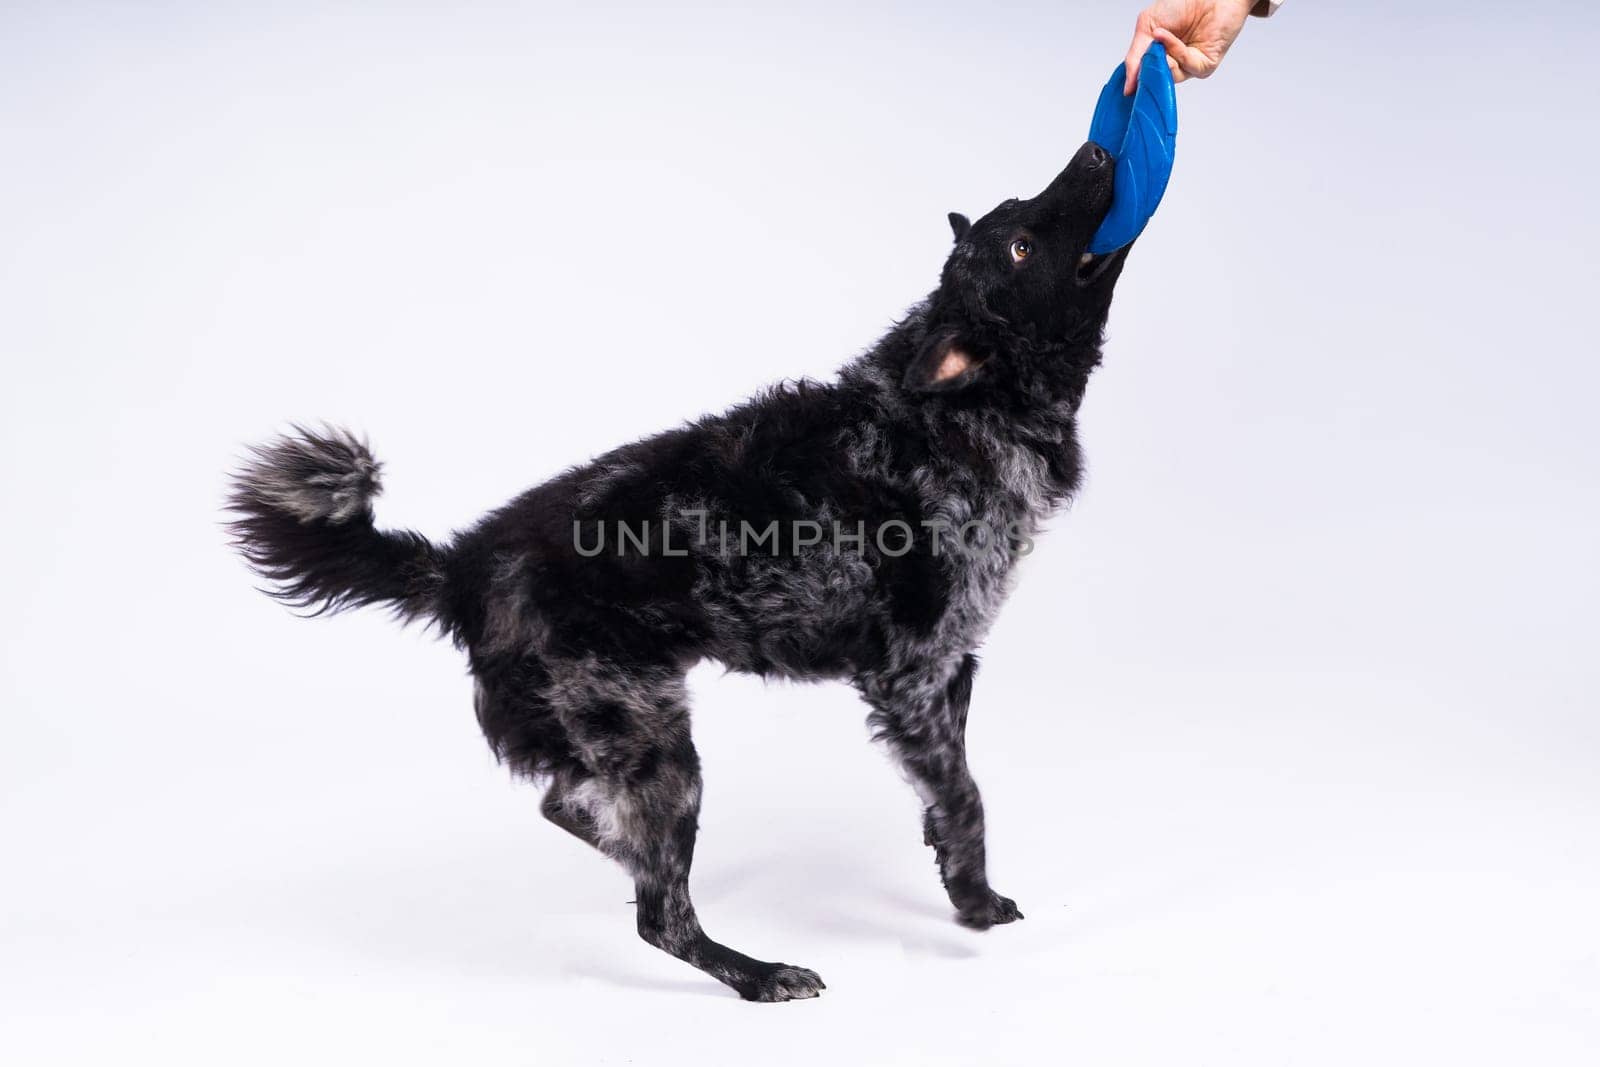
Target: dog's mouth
[(1091, 267)]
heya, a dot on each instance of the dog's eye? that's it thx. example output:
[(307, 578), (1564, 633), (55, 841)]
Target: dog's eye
[(1021, 249)]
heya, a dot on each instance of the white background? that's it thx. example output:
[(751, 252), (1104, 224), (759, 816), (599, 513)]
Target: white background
[(1288, 738)]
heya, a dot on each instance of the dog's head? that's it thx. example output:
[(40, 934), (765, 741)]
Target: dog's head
[(1022, 277)]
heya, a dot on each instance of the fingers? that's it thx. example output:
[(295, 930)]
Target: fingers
[(1144, 29), (1184, 62)]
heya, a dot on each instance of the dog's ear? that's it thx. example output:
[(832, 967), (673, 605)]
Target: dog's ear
[(943, 364), (959, 225)]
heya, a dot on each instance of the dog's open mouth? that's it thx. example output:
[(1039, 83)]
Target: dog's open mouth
[(1091, 267)]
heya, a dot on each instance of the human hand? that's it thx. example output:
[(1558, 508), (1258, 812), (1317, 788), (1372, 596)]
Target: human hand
[(1195, 33)]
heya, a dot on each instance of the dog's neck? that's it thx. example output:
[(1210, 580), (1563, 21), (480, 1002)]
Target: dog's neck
[(1021, 413), (1034, 383)]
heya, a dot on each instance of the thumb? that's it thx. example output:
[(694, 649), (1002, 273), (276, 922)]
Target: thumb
[(1144, 30)]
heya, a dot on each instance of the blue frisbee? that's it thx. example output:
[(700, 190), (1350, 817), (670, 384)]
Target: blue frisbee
[(1141, 133)]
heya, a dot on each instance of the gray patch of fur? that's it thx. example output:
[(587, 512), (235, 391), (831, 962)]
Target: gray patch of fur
[(510, 624), (330, 475)]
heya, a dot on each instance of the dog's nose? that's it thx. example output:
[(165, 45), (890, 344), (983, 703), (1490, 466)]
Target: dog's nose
[(1098, 157)]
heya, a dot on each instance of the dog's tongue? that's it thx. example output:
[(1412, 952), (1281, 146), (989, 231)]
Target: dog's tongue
[(1141, 133)]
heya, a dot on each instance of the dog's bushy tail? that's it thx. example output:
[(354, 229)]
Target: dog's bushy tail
[(302, 518)]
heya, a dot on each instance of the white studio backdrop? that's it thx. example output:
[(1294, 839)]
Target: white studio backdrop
[(1288, 738)]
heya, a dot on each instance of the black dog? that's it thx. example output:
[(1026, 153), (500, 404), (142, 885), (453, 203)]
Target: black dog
[(865, 529)]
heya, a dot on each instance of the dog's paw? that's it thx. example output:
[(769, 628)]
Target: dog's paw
[(783, 982), (992, 912)]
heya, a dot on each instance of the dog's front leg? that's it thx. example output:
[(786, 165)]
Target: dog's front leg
[(923, 717)]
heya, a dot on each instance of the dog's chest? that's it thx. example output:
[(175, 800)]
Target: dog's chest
[(978, 590), (984, 491), (986, 526)]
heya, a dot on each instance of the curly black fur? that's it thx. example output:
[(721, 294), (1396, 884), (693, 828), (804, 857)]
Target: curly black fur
[(961, 421)]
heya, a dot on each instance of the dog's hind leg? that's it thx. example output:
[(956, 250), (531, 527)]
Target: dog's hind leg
[(637, 799), (923, 717), (563, 806)]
